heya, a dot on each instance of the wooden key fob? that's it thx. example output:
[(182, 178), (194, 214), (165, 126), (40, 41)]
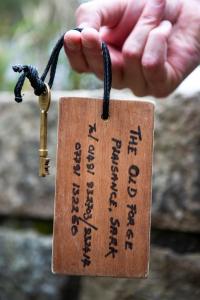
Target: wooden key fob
[(103, 188)]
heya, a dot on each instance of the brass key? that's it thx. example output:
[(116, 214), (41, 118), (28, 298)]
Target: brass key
[(44, 103)]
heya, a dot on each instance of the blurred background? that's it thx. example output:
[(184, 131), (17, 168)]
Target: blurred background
[(28, 32)]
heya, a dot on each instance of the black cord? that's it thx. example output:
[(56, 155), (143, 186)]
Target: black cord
[(107, 81), (52, 63), (31, 73), (38, 83)]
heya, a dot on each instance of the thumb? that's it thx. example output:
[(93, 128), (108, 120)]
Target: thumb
[(96, 14)]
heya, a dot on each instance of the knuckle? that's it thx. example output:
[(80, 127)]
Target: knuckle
[(149, 20), (142, 93), (160, 90), (160, 94), (157, 34), (131, 53), (151, 63), (154, 33)]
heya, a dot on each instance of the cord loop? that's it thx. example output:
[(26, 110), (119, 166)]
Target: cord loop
[(38, 83)]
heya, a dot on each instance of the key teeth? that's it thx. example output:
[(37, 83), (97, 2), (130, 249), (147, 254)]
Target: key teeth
[(47, 169), (47, 166), (47, 161)]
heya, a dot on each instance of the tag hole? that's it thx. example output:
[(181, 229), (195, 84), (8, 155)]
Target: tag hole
[(105, 120)]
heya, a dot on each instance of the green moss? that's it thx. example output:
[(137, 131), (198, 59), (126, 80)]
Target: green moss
[(44, 227)]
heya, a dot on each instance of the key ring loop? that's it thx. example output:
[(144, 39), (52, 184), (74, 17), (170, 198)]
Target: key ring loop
[(38, 83)]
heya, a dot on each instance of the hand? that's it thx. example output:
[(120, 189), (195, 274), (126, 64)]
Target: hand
[(154, 44)]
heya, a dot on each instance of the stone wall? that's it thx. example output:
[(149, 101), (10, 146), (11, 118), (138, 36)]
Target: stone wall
[(26, 207)]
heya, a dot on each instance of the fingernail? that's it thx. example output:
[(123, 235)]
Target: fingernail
[(72, 40), (90, 38)]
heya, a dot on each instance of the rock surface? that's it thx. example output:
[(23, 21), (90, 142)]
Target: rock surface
[(22, 191), (25, 267), (176, 181), (176, 184), (171, 277), (25, 273)]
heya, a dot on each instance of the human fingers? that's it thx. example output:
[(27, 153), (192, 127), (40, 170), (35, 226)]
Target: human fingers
[(83, 49), (91, 45), (74, 52), (96, 14), (134, 46), (154, 60), (92, 49)]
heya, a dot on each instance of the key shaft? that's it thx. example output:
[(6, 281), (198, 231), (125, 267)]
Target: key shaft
[(44, 103), (43, 133)]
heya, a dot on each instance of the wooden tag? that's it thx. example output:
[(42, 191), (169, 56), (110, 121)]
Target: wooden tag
[(103, 188)]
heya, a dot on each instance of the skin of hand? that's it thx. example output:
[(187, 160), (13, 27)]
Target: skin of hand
[(154, 44)]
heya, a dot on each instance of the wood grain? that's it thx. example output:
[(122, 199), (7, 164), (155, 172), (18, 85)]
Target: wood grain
[(103, 188)]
